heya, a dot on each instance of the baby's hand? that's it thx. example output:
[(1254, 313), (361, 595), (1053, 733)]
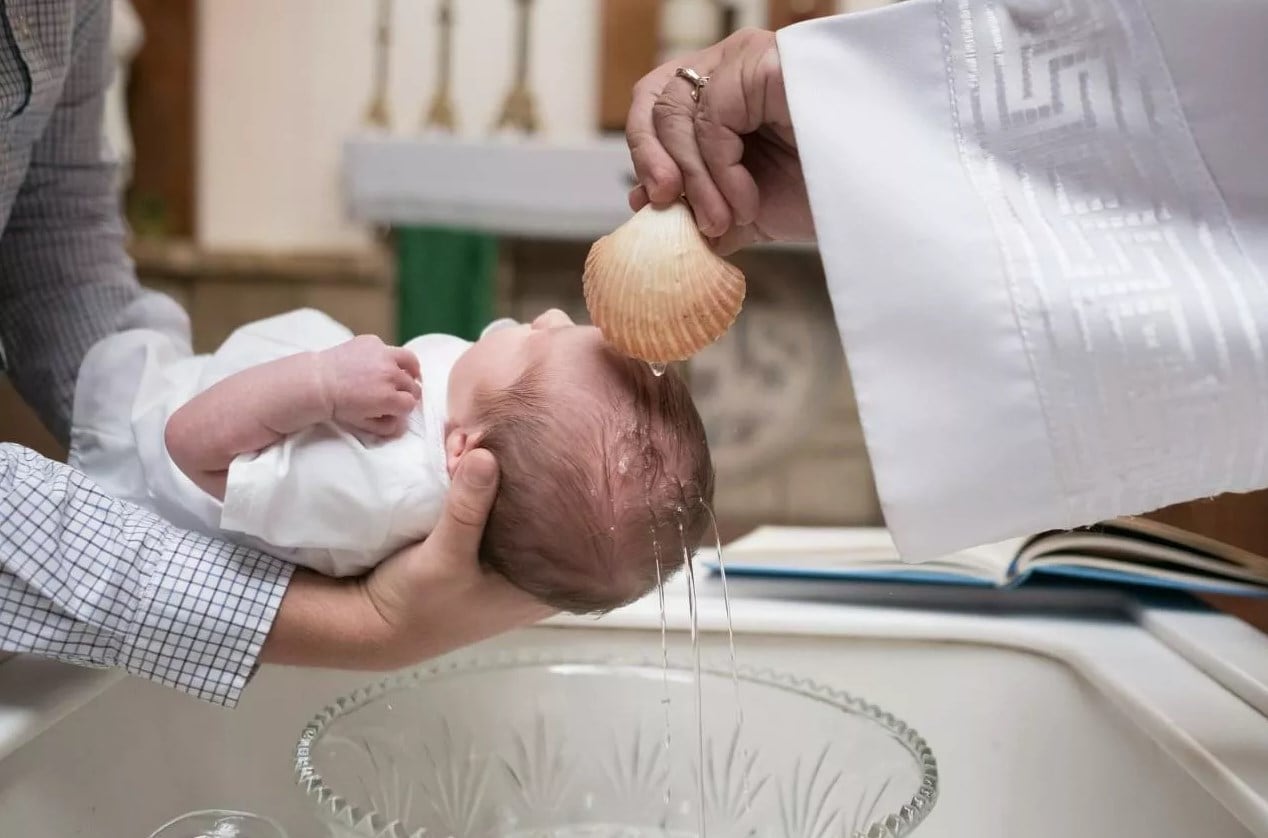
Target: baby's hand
[(371, 386)]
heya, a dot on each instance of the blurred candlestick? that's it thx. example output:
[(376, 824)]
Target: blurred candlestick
[(441, 113), (377, 111), (519, 111)]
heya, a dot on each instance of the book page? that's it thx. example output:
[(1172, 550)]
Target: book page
[(1118, 570), (856, 549), (1128, 555), (1140, 541), (1199, 543)]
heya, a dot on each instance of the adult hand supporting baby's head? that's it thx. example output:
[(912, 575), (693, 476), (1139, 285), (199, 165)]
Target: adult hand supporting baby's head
[(435, 597), (428, 599)]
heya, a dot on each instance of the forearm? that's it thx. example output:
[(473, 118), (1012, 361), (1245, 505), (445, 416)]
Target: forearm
[(246, 412), (339, 624), (329, 623), (90, 580)]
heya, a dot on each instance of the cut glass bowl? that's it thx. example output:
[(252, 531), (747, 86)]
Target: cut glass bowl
[(569, 747)]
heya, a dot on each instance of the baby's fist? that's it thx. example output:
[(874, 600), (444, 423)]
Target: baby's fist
[(371, 386)]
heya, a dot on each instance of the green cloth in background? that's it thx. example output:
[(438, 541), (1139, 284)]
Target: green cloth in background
[(446, 281)]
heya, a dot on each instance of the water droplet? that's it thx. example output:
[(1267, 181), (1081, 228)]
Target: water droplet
[(658, 369)]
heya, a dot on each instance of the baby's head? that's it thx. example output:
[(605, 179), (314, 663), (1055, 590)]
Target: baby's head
[(605, 471)]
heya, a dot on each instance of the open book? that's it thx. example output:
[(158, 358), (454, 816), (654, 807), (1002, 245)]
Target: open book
[(1135, 551)]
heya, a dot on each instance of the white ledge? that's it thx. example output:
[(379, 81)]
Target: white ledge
[(507, 187)]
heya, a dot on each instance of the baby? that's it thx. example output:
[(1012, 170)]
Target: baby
[(334, 451)]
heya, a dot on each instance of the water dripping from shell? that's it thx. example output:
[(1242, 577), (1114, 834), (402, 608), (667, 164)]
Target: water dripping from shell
[(693, 607)]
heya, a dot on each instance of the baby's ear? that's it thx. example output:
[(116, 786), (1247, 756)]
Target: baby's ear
[(458, 441)]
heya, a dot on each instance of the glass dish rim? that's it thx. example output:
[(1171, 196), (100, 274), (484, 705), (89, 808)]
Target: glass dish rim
[(370, 823), (231, 813)]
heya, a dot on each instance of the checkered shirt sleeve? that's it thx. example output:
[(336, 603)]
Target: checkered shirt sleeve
[(91, 580)]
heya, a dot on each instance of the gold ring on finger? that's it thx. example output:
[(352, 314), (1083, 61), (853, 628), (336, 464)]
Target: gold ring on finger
[(697, 81)]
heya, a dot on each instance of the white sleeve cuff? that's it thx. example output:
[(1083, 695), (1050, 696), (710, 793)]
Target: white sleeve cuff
[(248, 485)]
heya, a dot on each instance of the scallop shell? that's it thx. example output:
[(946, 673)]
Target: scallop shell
[(656, 289)]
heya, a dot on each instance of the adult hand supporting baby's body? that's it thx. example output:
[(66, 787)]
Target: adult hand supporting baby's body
[(732, 153), (424, 601)]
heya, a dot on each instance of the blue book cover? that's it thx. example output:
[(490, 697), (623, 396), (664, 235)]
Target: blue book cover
[(1126, 552)]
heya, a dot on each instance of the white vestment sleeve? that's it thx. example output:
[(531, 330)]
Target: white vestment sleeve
[(1045, 229)]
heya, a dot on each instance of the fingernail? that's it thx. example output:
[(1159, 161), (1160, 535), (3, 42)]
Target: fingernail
[(481, 470)]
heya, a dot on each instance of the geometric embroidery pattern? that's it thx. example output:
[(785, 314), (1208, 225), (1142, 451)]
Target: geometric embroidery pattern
[(1144, 322)]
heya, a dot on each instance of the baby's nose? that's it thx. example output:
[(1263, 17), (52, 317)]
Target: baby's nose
[(552, 319)]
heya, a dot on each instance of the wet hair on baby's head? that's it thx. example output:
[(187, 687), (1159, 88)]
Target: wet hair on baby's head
[(602, 492)]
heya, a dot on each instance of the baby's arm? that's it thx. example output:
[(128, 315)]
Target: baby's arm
[(360, 383)]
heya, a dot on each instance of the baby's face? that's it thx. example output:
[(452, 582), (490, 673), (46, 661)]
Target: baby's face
[(569, 354)]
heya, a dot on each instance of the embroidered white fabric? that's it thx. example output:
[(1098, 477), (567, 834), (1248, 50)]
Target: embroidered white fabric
[(1133, 297), (1051, 287)]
